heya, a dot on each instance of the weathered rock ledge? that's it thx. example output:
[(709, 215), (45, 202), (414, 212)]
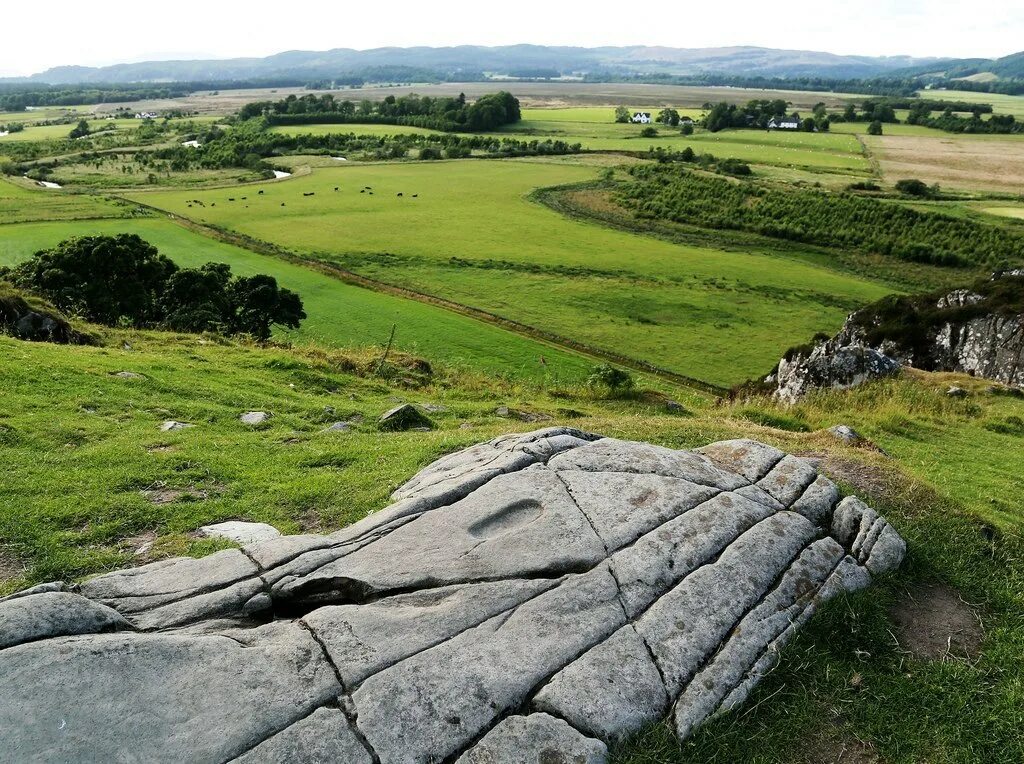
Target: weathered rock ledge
[(530, 599), (978, 331)]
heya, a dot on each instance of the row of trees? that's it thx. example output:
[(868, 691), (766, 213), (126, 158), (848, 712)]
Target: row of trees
[(488, 112), (758, 114), (841, 220), (123, 279)]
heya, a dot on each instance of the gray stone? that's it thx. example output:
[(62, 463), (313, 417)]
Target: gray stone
[(170, 425), (157, 697), (240, 531), (956, 392), (128, 375), (403, 417), (50, 586), (325, 736), (533, 598), (363, 639), (255, 418), (435, 703), (340, 427), (535, 739), (632, 694), (846, 434), (54, 614)]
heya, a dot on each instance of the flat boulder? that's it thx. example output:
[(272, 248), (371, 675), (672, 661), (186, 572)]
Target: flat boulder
[(255, 418), (537, 598), (404, 417)]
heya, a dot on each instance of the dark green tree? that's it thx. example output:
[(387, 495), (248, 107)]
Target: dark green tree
[(875, 128), (106, 279), (621, 114), (669, 117), (80, 130), (196, 299), (257, 303)]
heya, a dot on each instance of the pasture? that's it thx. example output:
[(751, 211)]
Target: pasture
[(22, 201), (472, 235), (340, 315)]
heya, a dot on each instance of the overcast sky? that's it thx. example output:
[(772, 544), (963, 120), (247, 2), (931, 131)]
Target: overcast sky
[(39, 35)]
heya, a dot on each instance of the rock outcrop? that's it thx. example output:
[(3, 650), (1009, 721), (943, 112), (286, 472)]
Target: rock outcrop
[(977, 331), (32, 319), (530, 599)]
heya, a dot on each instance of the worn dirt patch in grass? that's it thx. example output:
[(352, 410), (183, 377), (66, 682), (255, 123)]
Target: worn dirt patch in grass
[(840, 751), (934, 623), (867, 479), (10, 566), (161, 493)]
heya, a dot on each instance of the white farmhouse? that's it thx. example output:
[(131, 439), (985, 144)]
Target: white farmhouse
[(784, 123), (642, 117)]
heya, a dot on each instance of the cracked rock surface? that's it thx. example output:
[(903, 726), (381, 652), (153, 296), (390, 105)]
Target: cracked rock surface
[(531, 599)]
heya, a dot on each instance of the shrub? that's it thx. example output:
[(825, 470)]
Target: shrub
[(649, 132), (616, 381), (913, 187)]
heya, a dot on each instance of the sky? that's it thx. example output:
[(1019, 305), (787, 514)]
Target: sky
[(119, 31)]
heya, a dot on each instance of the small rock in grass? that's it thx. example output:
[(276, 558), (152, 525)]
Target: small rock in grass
[(127, 375), (339, 427), (254, 418), (404, 417), (242, 532), (507, 412), (433, 408), (846, 434), (170, 425), (956, 392)]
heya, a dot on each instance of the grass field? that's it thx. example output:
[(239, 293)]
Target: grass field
[(19, 202), (596, 130), (1002, 104), (715, 315), (340, 315)]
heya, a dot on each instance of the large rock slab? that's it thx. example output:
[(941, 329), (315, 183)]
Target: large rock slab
[(531, 599)]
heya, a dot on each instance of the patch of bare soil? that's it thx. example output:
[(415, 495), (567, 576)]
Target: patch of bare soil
[(843, 751), (141, 544), (161, 448), (934, 623), (161, 493), (867, 479), (10, 566)]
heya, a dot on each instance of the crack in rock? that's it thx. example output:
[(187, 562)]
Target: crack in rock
[(536, 598)]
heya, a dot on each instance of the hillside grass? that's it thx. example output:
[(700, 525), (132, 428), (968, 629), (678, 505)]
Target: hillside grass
[(81, 445), (340, 315), (473, 236)]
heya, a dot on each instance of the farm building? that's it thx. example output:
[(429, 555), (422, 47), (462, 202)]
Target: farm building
[(784, 123), (642, 117)]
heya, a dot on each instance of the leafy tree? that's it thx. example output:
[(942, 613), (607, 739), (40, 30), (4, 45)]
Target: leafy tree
[(104, 278), (687, 128), (850, 113), (669, 117), (875, 128), (196, 299), (621, 114), (258, 302), (80, 130), (649, 132)]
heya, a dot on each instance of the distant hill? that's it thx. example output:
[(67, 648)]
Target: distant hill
[(1006, 68), (471, 62)]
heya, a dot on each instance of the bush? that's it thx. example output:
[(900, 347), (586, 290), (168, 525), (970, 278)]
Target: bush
[(875, 128), (616, 381), (649, 132), (913, 187), (430, 152)]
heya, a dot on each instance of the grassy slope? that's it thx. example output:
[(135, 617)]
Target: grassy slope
[(719, 316), (340, 315), (80, 444)]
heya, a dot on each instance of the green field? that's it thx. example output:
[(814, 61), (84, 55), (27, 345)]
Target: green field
[(20, 202), (340, 315), (715, 315)]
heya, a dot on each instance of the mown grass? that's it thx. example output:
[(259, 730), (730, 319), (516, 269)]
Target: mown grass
[(720, 316), (20, 203), (340, 315)]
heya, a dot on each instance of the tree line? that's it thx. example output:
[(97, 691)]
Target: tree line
[(488, 112), (841, 220)]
